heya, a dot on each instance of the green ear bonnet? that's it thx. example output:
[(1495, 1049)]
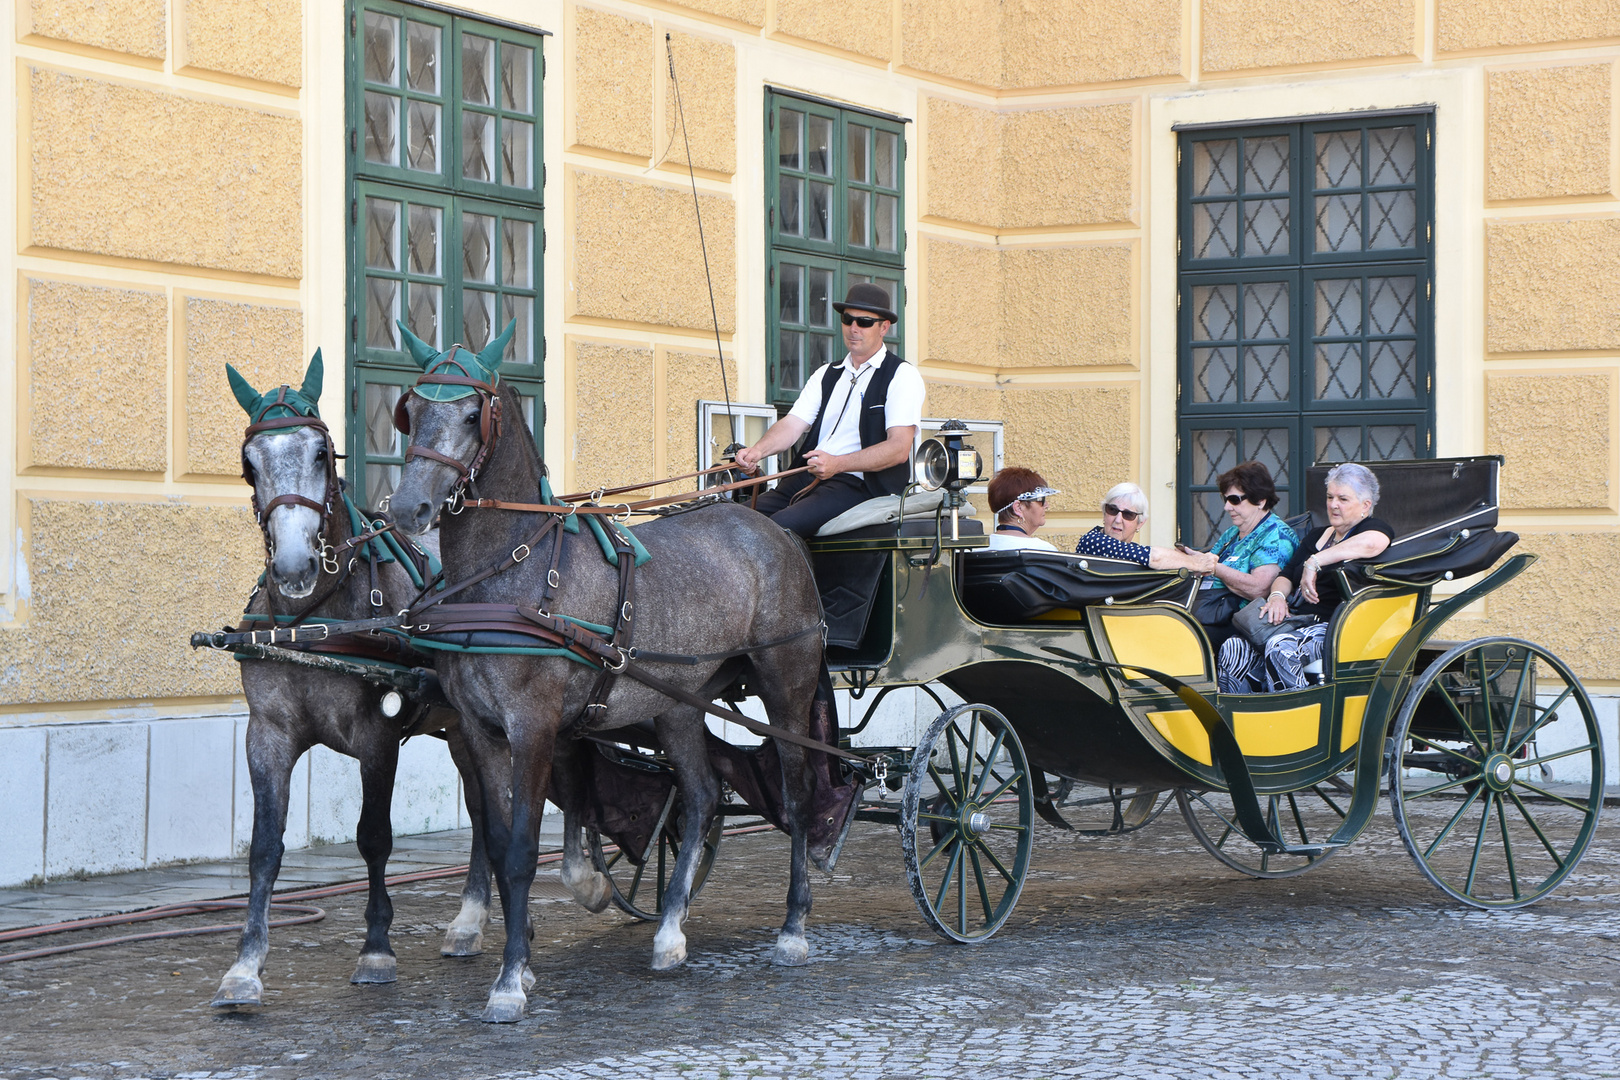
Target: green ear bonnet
[(283, 401), (484, 365)]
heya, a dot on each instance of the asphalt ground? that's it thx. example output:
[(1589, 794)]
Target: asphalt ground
[(1131, 956)]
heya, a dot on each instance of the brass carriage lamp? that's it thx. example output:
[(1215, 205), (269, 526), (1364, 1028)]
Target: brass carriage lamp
[(946, 461)]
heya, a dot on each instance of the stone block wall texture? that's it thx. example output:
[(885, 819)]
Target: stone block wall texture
[(707, 71), (863, 27), (966, 46), (1560, 603), (1549, 131), (256, 39), (98, 361), (1552, 285), (225, 192), (265, 344), (1240, 35), (614, 417), (87, 559), (1481, 24), (690, 377), (613, 82), (636, 255), (1047, 44), (748, 12), (135, 27), (1030, 168), (1555, 433), (963, 283)]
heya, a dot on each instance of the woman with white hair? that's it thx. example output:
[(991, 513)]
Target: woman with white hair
[(1124, 511), (1351, 533)]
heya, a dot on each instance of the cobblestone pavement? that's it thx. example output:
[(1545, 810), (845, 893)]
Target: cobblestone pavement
[(1134, 956)]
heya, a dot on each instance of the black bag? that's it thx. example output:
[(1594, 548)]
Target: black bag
[(1216, 607), (1257, 631)]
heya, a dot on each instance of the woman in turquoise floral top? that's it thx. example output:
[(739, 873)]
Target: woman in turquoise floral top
[(1250, 553)]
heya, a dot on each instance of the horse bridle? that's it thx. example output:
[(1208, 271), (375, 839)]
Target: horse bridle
[(489, 421), (262, 513)]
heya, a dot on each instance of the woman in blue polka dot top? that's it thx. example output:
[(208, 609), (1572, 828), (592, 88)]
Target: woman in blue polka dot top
[(1124, 513)]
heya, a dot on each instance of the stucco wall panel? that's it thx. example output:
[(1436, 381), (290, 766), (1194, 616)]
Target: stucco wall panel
[(636, 255), (748, 12), (1244, 34), (1068, 307), (962, 162), (1477, 24), (1554, 431), (1046, 44), (1559, 602), (964, 290), (87, 559), (144, 174), (613, 415), (1549, 131), (708, 83), (1068, 166), (965, 46), (857, 26), (135, 27), (256, 39), (690, 377), (266, 344), (1552, 285), (97, 377), (613, 82)]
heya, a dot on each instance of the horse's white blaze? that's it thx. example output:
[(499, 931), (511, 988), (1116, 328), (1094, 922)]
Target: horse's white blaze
[(294, 532)]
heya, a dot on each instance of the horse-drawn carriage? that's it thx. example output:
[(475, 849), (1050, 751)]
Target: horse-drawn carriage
[(1068, 669)]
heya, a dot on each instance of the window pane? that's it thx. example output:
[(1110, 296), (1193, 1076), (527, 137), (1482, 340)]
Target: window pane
[(1269, 446), (1338, 307), (1391, 304), (790, 292), (1391, 156), (858, 141), (422, 135), (820, 146), (477, 69), (1215, 312), (382, 49), (1338, 159), (382, 308), (517, 78), (1265, 227), (820, 311), (477, 146), (521, 348), (422, 58), (884, 147), (1338, 222), (858, 202), (382, 128), (1265, 310), (1214, 230), (1392, 442), (517, 254), (517, 152), (382, 234), (382, 440), (791, 135), (1214, 375), (423, 240), (381, 480), (1265, 165), (1215, 167), (1338, 443), (1392, 219), (1391, 370), (1338, 371), (425, 304), (1266, 373), (477, 316), (821, 349), (788, 205), (478, 247), (790, 373), (885, 209), (819, 220)]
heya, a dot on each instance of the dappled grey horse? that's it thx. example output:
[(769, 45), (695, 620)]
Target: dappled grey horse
[(316, 569), (724, 587)]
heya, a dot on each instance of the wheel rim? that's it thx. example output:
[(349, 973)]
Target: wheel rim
[(966, 823), (1500, 779), (638, 890), (1307, 816)]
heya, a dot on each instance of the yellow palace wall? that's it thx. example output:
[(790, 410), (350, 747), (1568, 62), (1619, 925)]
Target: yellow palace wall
[(179, 191)]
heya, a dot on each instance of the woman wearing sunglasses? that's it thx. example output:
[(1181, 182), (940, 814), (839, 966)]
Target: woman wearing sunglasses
[(1124, 511), (1249, 554), (1018, 497)]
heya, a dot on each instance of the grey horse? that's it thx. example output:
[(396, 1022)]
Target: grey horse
[(722, 581), (287, 458)]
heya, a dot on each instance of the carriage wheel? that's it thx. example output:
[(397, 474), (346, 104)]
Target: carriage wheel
[(1307, 816), (1500, 778), (638, 890), (1138, 807), (966, 818)]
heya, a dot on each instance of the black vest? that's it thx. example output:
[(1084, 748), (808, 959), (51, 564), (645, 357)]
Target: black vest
[(873, 425)]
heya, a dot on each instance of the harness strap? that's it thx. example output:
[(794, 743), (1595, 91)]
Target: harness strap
[(623, 508), (619, 640), (510, 560)]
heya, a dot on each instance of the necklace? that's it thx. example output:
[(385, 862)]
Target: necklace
[(1013, 528)]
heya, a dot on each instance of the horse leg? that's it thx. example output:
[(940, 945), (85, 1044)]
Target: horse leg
[(514, 851), (680, 732), (788, 706), (375, 839), (271, 755), (587, 884), (465, 935)]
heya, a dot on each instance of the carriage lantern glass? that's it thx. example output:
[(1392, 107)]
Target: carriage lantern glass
[(947, 461)]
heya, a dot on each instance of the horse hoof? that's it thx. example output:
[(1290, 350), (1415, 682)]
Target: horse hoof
[(593, 891), (376, 968), (459, 942), (235, 990), (528, 979), (504, 1009), (791, 952), (664, 959)]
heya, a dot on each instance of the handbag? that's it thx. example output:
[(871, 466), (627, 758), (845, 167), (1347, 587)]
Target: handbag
[(1257, 631), (1217, 607)]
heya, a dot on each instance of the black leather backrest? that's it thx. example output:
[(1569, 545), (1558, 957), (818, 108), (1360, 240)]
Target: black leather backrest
[(1416, 496)]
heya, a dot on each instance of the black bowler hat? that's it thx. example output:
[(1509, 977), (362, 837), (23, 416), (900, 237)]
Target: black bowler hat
[(865, 296)]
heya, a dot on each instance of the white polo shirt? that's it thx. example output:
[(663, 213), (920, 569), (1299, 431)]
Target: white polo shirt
[(841, 422)]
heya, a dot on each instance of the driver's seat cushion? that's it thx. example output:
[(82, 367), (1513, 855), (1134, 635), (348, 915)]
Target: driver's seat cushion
[(886, 510)]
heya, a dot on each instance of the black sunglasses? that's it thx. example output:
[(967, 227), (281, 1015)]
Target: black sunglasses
[(1233, 500), (862, 321), (1110, 510)]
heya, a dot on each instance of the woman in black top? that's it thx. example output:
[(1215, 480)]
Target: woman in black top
[(1351, 533)]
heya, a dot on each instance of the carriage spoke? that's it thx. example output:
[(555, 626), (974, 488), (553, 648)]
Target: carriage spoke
[(1518, 700), (1299, 821), (1530, 819), (961, 892), (1548, 714), (1479, 842), (1545, 794), (949, 841), (1432, 745), (950, 871), (1588, 748), (944, 788), (1000, 868), (990, 756), (1462, 721), (1447, 786), (1485, 696), (1452, 824), (1002, 790), (978, 877), (1320, 794), (1507, 846), (952, 736)]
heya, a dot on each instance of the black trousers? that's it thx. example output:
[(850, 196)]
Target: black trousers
[(830, 498)]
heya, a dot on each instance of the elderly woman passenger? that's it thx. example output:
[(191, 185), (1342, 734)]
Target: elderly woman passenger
[(1351, 533), (1250, 553), (1124, 511)]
